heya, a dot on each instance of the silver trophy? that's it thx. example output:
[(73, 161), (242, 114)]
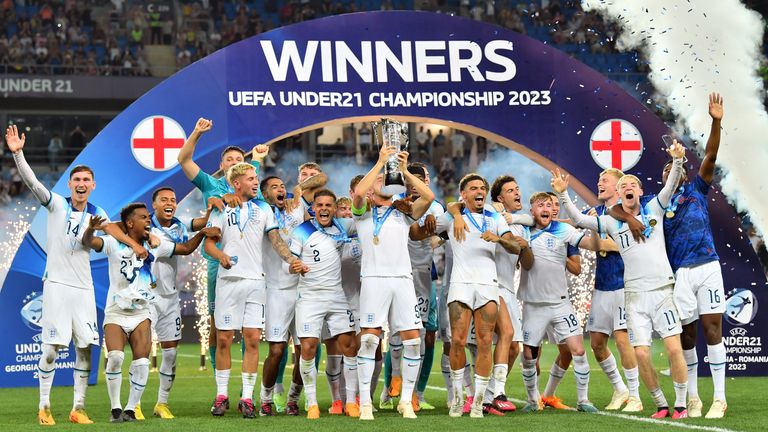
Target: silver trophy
[(388, 132)]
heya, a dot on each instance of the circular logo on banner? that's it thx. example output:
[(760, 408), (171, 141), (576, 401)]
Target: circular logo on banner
[(156, 142), (616, 143), (741, 307)]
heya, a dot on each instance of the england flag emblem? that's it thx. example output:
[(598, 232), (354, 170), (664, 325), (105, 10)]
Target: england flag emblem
[(616, 143), (156, 142)]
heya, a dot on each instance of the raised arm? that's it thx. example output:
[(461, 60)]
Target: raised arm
[(16, 145), (191, 245), (282, 249), (314, 182), (190, 168), (200, 222), (677, 151), (366, 183), (426, 196), (560, 186), (707, 168), (89, 240)]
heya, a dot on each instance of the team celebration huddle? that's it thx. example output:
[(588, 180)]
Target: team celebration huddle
[(354, 272)]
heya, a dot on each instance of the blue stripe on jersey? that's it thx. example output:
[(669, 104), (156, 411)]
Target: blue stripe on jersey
[(688, 234), (262, 205), (91, 209), (303, 231)]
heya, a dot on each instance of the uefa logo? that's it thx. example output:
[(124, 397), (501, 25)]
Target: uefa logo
[(740, 307), (32, 311)]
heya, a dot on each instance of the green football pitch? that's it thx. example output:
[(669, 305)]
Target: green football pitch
[(194, 390)]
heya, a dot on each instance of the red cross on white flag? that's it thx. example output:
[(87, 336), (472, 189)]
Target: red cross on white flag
[(616, 143), (156, 142)]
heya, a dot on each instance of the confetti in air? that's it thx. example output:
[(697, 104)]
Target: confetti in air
[(15, 229), (692, 50)]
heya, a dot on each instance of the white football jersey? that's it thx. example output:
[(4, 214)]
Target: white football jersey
[(421, 251), (68, 261), (646, 266), (242, 235), (506, 263), (546, 281), (320, 249), (388, 258), (474, 259), (277, 274), (351, 256), (131, 283), (165, 269)]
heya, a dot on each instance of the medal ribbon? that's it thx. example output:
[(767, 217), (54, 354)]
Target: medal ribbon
[(73, 242), (237, 218), (378, 223), (673, 203), (474, 222), (171, 232), (342, 237)]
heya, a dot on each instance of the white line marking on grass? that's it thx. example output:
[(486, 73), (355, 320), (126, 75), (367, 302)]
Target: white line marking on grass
[(629, 417)]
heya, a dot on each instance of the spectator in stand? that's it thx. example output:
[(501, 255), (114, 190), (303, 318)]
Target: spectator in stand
[(55, 146), (156, 27)]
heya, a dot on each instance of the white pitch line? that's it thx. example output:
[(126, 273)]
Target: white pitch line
[(602, 413), (629, 417)]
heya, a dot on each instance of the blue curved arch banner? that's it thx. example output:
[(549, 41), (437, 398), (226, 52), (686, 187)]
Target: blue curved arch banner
[(410, 65)]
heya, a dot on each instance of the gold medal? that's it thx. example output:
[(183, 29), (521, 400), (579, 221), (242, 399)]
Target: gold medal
[(603, 254), (375, 240), (670, 214), (652, 223), (241, 235), (284, 231)]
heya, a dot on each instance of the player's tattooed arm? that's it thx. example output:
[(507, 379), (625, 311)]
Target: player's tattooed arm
[(210, 248), (282, 249), (200, 222), (89, 240), (118, 232), (190, 168), (506, 241), (367, 182), (426, 196), (560, 186), (16, 145), (314, 182), (191, 245), (677, 151), (707, 168)]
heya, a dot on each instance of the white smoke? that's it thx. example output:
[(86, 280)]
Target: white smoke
[(695, 48)]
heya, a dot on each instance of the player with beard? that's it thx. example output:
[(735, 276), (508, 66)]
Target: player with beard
[(165, 311), (282, 295), (474, 290), (648, 277), (317, 242), (546, 303), (214, 187), (69, 306), (127, 312), (387, 292), (241, 288), (699, 292)]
